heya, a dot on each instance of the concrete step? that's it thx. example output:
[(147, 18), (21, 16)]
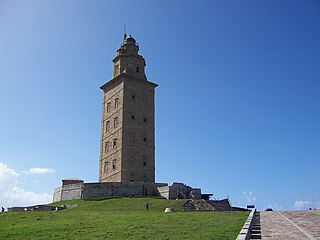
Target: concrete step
[(256, 228), (255, 236)]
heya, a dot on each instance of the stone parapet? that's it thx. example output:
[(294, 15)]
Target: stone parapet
[(245, 232)]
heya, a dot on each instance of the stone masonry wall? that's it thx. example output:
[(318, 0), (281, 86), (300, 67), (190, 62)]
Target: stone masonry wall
[(125, 189), (90, 190), (57, 194), (68, 192), (118, 189)]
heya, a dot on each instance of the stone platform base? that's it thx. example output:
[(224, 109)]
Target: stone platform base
[(77, 189)]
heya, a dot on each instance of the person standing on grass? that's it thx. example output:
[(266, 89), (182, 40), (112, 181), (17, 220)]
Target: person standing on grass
[(2, 209), (147, 207)]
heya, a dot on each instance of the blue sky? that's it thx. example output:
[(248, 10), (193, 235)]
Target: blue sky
[(237, 107)]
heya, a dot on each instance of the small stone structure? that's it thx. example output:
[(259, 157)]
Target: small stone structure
[(169, 210)]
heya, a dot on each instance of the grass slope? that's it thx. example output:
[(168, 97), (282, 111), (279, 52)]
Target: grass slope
[(121, 218)]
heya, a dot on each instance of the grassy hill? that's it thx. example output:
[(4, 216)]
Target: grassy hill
[(121, 218)]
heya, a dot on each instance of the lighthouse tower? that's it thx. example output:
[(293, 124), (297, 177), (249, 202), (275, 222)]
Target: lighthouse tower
[(127, 145)]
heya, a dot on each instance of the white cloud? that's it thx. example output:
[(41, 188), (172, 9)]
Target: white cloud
[(39, 171), (11, 195), (303, 205), (249, 196)]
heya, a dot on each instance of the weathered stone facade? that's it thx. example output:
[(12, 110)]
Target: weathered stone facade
[(127, 146), (70, 189)]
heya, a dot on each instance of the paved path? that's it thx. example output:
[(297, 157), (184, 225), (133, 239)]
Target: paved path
[(298, 225)]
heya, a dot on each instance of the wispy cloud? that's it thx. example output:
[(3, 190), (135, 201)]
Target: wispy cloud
[(12, 195), (303, 205), (39, 170), (249, 196)]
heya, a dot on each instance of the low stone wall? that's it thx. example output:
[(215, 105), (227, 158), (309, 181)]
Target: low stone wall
[(245, 233), (36, 208)]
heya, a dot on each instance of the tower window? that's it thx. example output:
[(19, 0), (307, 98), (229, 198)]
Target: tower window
[(116, 103), (107, 126), (116, 69), (106, 147), (132, 117), (131, 174), (144, 164), (105, 167), (137, 69), (114, 143), (114, 163), (108, 107), (144, 139), (144, 120), (133, 97), (115, 122)]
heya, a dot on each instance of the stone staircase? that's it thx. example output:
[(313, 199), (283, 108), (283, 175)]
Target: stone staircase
[(203, 205), (251, 228), (208, 205), (256, 228)]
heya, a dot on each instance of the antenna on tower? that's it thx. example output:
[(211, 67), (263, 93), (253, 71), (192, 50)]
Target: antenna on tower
[(124, 32)]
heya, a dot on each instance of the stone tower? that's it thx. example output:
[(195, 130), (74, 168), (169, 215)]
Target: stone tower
[(127, 145)]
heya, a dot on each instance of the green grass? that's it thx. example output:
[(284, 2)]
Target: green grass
[(121, 218)]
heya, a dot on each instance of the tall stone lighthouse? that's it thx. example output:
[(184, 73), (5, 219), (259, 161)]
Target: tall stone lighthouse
[(127, 145)]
